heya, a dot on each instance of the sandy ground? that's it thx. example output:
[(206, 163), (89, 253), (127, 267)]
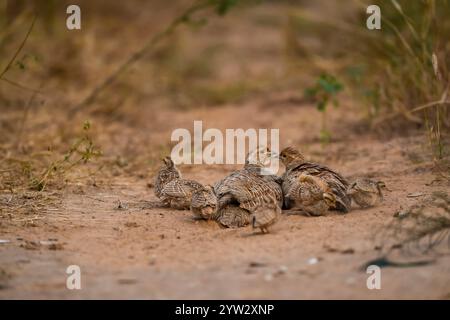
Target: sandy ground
[(157, 253)]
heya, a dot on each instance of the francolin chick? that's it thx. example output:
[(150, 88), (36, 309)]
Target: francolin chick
[(266, 214), (296, 165), (365, 192), (232, 216), (244, 190), (166, 173), (178, 193), (311, 195), (204, 203)]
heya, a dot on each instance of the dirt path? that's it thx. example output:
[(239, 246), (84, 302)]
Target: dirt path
[(157, 253)]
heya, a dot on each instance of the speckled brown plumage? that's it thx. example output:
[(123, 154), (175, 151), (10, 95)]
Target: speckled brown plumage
[(166, 173), (247, 188), (266, 214), (204, 202), (296, 166), (310, 195)]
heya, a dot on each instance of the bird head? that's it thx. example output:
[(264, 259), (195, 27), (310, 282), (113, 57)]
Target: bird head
[(209, 188), (168, 162), (381, 185)]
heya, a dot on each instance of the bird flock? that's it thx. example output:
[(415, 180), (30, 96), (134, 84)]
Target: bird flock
[(252, 196)]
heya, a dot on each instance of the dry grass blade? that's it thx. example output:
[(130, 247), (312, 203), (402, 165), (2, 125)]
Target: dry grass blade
[(18, 85)]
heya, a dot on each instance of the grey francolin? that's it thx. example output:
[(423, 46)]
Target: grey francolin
[(241, 192), (266, 214), (232, 216), (311, 195), (365, 192), (204, 202), (296, 165), (166, 173), (178, 193)]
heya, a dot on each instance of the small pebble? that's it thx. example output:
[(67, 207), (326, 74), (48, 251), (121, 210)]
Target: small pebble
[(283, 269), (268, 277)]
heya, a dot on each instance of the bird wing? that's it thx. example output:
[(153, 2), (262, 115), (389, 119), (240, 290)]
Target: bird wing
[(335, 181), (179, 188), (203, 199), (247, 189)]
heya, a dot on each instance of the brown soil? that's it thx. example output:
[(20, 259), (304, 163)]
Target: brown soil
[(158, 253)]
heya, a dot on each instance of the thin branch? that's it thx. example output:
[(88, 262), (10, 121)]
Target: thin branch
[(18, 85), (8, 66), (139, 54), (430, 104), (442, 101)]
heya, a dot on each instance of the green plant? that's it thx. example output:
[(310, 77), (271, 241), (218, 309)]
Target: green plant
[(400, 73), (323, 93)]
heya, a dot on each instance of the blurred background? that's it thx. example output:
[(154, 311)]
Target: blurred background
[(58, 84)]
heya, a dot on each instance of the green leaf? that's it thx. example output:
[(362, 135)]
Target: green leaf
[(223, 6), (21, 65)]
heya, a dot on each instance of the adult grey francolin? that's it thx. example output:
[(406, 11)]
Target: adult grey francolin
[(241, 192), (296, 165), (204, 203), (266, 214), (365, 192)]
